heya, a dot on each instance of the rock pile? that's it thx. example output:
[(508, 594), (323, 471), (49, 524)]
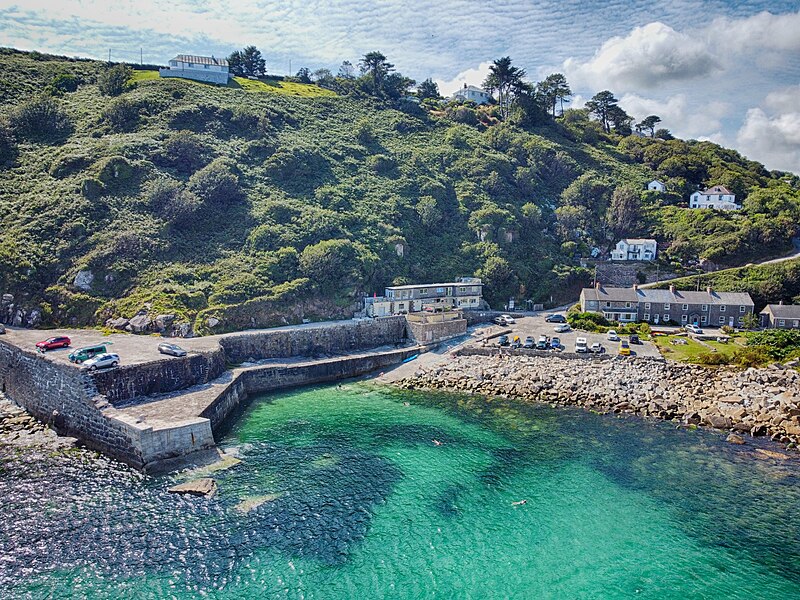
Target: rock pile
[(18, 428), (759, 402)]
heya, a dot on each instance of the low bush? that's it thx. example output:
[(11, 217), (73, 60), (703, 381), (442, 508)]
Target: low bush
[(41, 119), (122, 115), (216, 183), (713, 358), (752, 356), (62, 83), (184, 151), (114, 80)]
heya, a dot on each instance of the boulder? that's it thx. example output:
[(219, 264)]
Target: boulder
[(212, 322), (140, 324), (83, 280), (734, 438), (205, 487), (119, 323), (164, 322)]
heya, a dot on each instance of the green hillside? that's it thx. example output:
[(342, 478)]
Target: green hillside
[(271, 201)]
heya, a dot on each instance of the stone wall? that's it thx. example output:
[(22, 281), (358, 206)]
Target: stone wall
[(158, 377), (65, 398), (431, 333), (315, 341)]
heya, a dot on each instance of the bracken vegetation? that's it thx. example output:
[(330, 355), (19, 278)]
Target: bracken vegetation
[(257, 204)]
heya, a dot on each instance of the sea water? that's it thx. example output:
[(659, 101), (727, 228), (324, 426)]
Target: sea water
[(364, 491)]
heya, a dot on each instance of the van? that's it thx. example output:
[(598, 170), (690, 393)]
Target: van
[(87, 352)]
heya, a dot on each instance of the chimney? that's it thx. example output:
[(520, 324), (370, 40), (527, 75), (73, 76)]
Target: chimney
[(780, 302), (671, 289), (635, 287), (597, 285), (710, 290)]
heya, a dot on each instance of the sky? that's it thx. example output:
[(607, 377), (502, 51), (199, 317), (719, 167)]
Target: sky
[(711, 69)]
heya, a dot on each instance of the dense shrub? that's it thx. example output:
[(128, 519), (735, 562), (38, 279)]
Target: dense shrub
[(41, 119), (61, 83), (331, 264), (114, 80), (184, 151), (69, 164), (778, 343), (752, 356), (713, 358), (122, 115), (216, 183), (8, 147), (171, 201)]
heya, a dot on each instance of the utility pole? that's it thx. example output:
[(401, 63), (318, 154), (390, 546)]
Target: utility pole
[(290, 66), (109, 55), (141, 56)]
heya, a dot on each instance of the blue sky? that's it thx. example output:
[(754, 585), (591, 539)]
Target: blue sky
[(725, 71)]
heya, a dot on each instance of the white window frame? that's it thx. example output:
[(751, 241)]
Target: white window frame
[(723, 308), (781, 322), (666, 307), (796, 323), (685, 307), (703, 319), (684, 318), (722, 320), (647, 306), (742, 309), (646, 316), (705, 307)]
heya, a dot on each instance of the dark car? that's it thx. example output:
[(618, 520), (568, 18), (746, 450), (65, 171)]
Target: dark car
[(53, 343), (555, 319), (171, 349), (529, 342), (634, 339), (503, 340), (555, 343)]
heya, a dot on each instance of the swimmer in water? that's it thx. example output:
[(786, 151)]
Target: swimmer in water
[(437, 443), (519, 502)]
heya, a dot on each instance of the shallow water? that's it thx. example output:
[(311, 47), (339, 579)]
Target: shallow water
[(343, 493)]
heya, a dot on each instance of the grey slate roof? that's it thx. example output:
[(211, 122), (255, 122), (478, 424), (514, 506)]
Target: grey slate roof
[(611, 294), (782, 311), (201, 60)]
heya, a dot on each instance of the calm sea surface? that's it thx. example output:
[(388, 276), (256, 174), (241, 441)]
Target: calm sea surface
[(343, 493)]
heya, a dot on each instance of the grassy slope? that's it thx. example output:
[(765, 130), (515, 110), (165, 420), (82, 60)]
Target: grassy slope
[(309, 173)]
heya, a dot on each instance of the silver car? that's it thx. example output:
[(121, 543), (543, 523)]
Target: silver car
[(101, 361), (171, 349)]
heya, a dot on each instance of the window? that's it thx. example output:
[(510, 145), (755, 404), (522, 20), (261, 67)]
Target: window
[(462, 289), (684, 318), (608, 304), (401, 306), (705, 307), (796, 323), (646, 316), (741, 319), (666, 307), (704, 319), (647, 306), (722, 320), (723, 308), (655, 317), (627, 305), (742, 309), (423, 291), (782, 322), (440, 290), (685, 307)]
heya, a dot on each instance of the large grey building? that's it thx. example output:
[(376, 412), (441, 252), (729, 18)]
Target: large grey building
[(705, 308), (466, 293)]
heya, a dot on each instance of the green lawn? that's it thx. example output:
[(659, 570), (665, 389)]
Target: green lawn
[(689, 352), (142, 75), (270, 86)]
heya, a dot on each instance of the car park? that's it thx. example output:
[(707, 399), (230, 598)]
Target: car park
[(555, 343), (562, 328), (694, 329), (555, 318), (171, 349), (597, 348), (624, 348), (542, 342), (508, 319), (87, 352), (516, 343), (529, 342), (580, 345), (52, 343), (612, 336), (634, 339), (503, 340), (101, 361)]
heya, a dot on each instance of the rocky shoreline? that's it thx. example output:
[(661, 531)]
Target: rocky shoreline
[(19, 429), (755, 402)]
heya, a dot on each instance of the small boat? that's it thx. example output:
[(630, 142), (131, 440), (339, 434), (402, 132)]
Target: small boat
[(410, 358)]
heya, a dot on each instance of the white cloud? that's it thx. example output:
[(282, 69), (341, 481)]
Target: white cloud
[(474, 76), (645, 58), (763, 31), (773, 140), (784, 100), (683, 116)]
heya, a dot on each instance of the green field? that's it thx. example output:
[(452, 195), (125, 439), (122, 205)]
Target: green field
[(691, 350)]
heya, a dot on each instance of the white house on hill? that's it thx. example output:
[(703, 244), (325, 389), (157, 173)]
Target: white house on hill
[(473, 94), (656, 186), (717, 196), (634, 249), (200, 68)]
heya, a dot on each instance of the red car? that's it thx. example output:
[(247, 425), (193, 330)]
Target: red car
[(53, 343)]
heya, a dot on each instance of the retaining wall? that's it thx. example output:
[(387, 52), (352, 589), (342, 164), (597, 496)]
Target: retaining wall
[(431, 333)]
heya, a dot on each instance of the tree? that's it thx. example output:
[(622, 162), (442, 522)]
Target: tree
[(750, 321), (323, 77), (554, 89), (247, 63), (375, 66), (428, 211), (428, 89), (663, 134), (346, 70), (649, 124), (304, 75), (114, 80), (507, 81), (625, 213), (620, 119), (499, 279), (600, 106), (396, 85)]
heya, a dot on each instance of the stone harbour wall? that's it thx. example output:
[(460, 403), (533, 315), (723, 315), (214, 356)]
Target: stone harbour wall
[(759, 402), (432, 333)]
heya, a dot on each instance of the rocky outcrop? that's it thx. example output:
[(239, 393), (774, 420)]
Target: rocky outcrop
[(759, 402)]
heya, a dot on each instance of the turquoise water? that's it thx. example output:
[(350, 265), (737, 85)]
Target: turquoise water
[(343, 493)]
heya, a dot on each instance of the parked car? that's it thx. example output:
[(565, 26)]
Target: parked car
[(87, 352), (101, 361), (516, 343), (555, 343), (562, 328), (503, 340), (509, 319), (597, 348), (499, 321), (171, 349), (694, 329), (580, 345), (52, 343), (612, 336), (624, 348), (634, 339), (554, 318), (529, 342), (542, 342)]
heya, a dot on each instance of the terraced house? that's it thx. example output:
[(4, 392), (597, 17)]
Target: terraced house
[(704, 308)]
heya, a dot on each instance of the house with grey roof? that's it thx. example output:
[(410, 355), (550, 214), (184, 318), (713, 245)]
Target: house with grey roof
[(707, 308), (635, 249), (466, 293), (717, 196), (472, 94), (781, 316), (208, 69)]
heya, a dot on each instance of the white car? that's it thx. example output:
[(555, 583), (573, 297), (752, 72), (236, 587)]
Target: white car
[(612, 336), (101, 361), (508, 319), (597, 348), (580, 345), (561, 328), (694, 329)]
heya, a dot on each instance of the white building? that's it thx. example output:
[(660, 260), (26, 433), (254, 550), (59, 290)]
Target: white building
[(656, 186), (634, 249), (473, 94), (717, 196), (200, 68)]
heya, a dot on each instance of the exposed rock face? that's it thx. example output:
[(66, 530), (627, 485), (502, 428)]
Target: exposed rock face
[(141, 323), (83, 280), (200, 487), (754, 401)]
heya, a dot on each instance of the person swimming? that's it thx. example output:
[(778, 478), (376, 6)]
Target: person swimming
[(437, 443), (519, 502)]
